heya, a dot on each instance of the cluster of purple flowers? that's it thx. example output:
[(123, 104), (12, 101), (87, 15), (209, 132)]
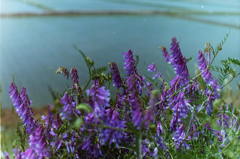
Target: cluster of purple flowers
[(177, 60), (38, 148), (21, 103), (112, 121)]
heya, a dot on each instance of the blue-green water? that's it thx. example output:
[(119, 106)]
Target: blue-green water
[(31, 49)]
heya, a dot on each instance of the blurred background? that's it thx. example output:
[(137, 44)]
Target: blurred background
[(38, 36)]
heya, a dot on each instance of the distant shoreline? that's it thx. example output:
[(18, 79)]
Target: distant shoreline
[(102, 13), (178, 14)]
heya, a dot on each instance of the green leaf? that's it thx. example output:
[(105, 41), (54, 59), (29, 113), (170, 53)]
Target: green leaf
[(234, 61), (77, 123), (155, 92), (84, 107), (100, 70), (89, 62), (189, 59), (137, 60)]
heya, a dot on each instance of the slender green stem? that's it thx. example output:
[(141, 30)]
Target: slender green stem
[(89, 80), (113, 128), (139, 145), (190, 121), (230, 80)]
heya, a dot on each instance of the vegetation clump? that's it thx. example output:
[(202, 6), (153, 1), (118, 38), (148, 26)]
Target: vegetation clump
[(134, 116)]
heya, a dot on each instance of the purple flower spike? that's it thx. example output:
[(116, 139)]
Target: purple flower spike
[(152, 68), (206, 74), (74, 75), (134, 84), (178, 61), (14, 96), (137, 112), (69, 107), (117, 81), (129, 63), (99, 98), (21, 103), (37, 142)]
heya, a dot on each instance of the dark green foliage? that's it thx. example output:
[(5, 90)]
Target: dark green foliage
[(228, 69)]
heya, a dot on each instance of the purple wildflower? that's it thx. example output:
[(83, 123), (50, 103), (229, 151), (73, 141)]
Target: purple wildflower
[(37, 142), (162, 98), (99, 98), (121, 100), (70, 141), (117, 81), (69, 107), (155, 153), (179, 136), (145, 148), (177, 60), (206, 74), (216, 133), (52, 123), (193, 132), (180, 110), (223, 120), (134, 81), (181, 107), (17, 154), (112, 119), (148, 117), (137, 112), (30, 154), (159, 129), (48, 119), (21, 103), (129, 63), (210, 98), (175, 84), (74, 75), (191, 88), (134, 84), (157, 75), (154, 99), (137, 116), (152, 68), (90, 118), (92, 149), (160, 142), (57, 144), (6, 155)]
